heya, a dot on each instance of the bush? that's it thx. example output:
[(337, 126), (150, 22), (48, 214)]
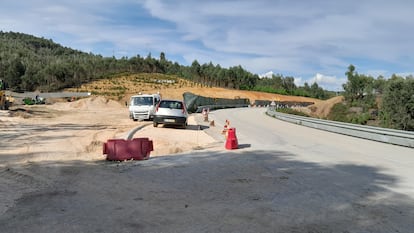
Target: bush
[(339, 112), (360, 119)]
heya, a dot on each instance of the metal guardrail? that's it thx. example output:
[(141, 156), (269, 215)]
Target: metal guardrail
[(391, 136)]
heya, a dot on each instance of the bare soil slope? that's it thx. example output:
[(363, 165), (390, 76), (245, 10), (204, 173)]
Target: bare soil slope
[(321, 109), (121, 88)]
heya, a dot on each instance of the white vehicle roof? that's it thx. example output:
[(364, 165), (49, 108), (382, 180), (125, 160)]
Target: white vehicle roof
[(145, 95)]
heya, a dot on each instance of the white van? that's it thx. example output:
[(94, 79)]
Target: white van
[(142, 106)]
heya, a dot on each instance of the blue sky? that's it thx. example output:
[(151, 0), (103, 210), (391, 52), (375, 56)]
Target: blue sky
[(309, 40)]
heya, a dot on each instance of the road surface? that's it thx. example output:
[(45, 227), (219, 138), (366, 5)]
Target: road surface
[(261, 132), (284, 178)]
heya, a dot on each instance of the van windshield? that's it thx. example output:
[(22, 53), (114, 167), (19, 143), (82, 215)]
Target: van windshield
[(142, 101)]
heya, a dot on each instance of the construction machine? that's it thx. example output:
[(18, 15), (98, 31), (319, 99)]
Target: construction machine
[(5, 100)]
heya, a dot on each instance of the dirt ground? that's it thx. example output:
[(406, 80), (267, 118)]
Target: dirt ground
[(69, 131), (94, 120)]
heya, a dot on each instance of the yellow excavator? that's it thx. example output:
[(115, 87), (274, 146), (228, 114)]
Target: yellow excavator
[(5, 100)]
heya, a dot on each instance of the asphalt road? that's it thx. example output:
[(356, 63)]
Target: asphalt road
[(284, 178), (260, 132)]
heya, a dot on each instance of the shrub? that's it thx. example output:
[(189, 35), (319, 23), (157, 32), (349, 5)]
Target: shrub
[(339, 112)]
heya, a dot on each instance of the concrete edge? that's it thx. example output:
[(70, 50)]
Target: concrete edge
[(131, 133)]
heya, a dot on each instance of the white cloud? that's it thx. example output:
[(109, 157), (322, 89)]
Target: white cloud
[(299, 82), (327, 82), (266, 75), (405, 74)]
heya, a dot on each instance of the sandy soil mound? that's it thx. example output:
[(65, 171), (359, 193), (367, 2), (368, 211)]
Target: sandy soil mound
[(321, 109), (95, 102)]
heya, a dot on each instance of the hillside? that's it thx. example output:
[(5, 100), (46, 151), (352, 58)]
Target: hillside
[(30, 63), (122, 87)]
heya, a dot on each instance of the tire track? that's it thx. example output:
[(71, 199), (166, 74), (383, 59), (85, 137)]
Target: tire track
[(14, 183)]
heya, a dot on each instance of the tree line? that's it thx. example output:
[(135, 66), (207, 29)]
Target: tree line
[(389, 101), (29, 63)]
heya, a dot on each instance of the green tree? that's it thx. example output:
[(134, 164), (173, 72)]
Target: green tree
[(162, 57), (398, 104), (354, 87), (195, 71), (14, 74), (316, 91), (358, 86), (288, 84), (379, 84)]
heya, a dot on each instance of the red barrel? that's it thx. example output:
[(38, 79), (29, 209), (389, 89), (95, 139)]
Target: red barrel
[(121, 149), (147, 147)]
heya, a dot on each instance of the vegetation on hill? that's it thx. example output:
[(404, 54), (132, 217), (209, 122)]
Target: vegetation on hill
[(387, 103), (31, 63)]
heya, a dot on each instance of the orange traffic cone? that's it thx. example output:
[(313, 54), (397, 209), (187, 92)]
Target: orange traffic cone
[(231, 142)]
